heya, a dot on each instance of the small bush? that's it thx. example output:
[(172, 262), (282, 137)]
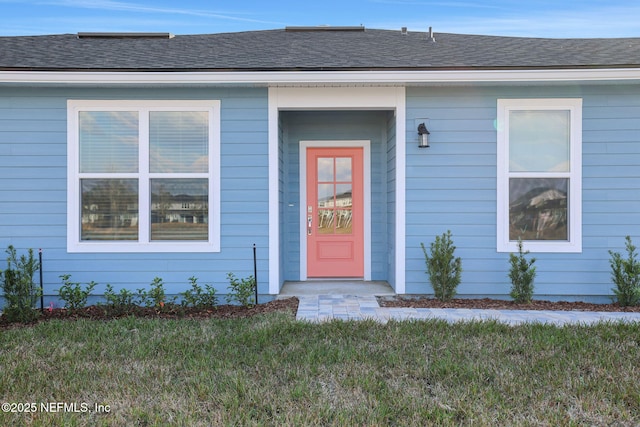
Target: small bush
[(73, 295), (242, 290), (522, 274), (122, 302), (625, 274), (155, 297), (443, 268), (141, 298), (20, 291), (198, 297)]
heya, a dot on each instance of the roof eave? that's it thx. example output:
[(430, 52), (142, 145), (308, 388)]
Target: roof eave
[(281, 77), (425, 68)]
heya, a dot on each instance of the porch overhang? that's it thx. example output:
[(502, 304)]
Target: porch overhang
[(335, 98)]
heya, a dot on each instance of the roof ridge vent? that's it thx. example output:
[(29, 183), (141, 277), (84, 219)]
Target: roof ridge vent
[(98, 35), (324, 28)]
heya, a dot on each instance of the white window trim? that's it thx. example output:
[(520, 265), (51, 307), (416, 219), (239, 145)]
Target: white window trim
[(574, 106), (74, 244)]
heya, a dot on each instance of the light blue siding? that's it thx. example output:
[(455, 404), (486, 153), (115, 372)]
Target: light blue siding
[(33, 190), (452, 186)]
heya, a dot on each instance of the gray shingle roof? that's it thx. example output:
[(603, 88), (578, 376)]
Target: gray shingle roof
[(313, 50)]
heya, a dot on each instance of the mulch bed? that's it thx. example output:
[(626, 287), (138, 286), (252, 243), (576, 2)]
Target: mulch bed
[(289, 305), (494, 304)]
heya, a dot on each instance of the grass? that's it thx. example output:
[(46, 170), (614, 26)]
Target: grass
[(272, 370)]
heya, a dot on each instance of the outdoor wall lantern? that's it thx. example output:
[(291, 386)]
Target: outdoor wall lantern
[(423, 136)]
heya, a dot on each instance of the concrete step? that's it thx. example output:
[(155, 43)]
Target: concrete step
[(335, 287)]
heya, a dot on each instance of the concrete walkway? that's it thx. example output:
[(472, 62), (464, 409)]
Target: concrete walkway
[(320, 308)]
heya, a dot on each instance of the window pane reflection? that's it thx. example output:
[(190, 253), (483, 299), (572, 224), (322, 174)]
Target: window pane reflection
[(179, 209), (344, 197), (108, 141), (325, 169), (179, 141), (109, 209), (538, 208), (539, 141), (325, 195), (343, 221), (325, 221), (343, 169)]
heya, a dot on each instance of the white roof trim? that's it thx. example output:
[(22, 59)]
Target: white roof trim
[(276, 78)]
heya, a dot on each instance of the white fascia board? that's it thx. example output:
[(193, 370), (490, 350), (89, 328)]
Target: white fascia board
[(316, 77)]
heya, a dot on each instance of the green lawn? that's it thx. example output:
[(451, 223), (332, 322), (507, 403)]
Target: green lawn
[(272, 370)]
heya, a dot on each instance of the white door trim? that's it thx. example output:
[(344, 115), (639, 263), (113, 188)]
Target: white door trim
[(366, 171)]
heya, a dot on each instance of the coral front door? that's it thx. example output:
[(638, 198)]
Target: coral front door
[(335, 202)]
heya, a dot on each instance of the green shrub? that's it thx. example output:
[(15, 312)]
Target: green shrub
[(20, 291), (522, 274), (443, 268), (141, 298), (122, 302), (155, 297), (625, 274), (198, 297), (242, 290), (73, 295), (156, 294)]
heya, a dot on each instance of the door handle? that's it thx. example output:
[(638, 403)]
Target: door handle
[(309, 224)]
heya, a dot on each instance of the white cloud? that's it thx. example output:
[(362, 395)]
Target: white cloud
[(132, 7)]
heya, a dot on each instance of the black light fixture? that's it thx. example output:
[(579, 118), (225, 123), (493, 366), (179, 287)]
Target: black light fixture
[(423, 136)]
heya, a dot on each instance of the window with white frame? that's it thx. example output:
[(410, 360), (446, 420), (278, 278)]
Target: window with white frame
[(539, 174), (143, 176)]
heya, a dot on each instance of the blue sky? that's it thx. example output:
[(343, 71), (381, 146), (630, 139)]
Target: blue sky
[(532, 18)]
